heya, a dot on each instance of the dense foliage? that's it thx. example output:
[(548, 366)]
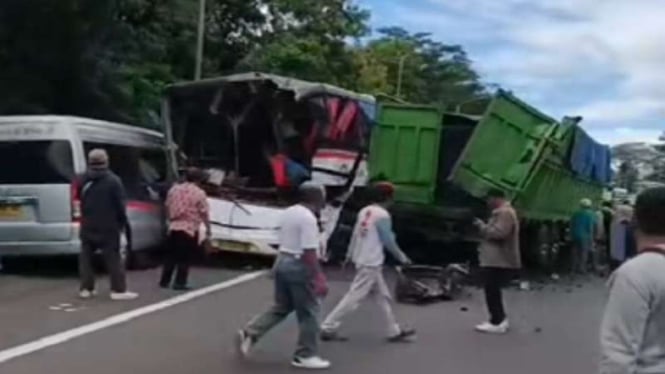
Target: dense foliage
[(111, 59)]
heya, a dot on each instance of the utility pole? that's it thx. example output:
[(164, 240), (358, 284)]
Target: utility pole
[(400, 73), (200, 40)]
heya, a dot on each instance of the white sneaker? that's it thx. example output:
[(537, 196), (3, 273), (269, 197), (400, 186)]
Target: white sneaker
[(489, 328), (244, 343), (87, 294), (314, 363), (123, 296)]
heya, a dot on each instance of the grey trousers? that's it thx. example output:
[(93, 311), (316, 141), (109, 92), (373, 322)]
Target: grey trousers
[(110, 248), (368, 282), (293, 293), (583, 251)]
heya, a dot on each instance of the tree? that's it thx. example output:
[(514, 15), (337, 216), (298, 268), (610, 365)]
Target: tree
[(627, 176), (54, 58), (111, 59), (658, 174), (433, 72), (308, 40)]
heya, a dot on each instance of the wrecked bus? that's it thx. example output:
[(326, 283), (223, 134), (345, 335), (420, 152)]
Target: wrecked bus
[(258, 136)]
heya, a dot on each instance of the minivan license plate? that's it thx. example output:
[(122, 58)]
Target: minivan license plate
[(233, 246), (10, 211)]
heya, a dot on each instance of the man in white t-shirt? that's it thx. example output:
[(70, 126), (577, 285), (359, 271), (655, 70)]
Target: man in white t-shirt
[(372, 237), (299, 281)]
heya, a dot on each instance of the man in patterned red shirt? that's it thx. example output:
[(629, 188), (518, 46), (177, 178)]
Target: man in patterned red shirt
[(187, 208)]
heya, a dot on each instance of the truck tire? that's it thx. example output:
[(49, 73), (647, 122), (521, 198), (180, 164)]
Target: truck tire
[(133, 259), (338, 244)]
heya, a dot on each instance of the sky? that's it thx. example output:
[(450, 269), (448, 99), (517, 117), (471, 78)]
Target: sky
[(601, 59)]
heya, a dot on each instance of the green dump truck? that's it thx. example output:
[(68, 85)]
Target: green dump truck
[(443, 164)]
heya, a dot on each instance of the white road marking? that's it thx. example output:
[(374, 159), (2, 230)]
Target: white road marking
[(62, 337)]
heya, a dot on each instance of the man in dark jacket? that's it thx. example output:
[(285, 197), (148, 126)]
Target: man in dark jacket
[(103, 219)]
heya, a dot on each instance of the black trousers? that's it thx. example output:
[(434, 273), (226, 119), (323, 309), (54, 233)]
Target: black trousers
[(494, 280), (110, 248), (180, 249)]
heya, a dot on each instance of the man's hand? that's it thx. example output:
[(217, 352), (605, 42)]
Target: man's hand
[(208, 247), (320, 286), (478, 222), (407, 261)]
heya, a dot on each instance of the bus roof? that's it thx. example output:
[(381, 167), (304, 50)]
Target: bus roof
[(299, 87)]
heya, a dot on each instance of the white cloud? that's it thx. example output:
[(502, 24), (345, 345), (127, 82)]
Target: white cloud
[(615, 46), (616, 112), (625, 135)]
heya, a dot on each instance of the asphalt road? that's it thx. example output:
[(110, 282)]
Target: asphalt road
[(555, 331), (40, 298)]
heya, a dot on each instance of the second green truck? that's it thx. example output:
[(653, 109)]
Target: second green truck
[(444, 163)]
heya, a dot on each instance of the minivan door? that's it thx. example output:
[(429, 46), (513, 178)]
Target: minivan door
[(35, 190)]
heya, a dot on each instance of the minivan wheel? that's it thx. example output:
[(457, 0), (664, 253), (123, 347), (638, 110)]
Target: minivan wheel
[(139, 260), (132, 259)]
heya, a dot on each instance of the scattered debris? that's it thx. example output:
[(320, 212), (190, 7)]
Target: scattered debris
[(65, 307), (464, 309), (538, 330)]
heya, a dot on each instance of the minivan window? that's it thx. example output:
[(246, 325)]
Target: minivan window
[(138, 168), (153, 164), (36, 162)]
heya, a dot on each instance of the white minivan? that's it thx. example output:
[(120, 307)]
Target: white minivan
[(40, 156)]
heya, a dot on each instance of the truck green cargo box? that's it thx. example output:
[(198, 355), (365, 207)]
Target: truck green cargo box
[(554, 191), (433, 156), (443, 165)]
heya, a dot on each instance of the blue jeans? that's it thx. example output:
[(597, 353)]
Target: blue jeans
[(582, 250), (293, 293)]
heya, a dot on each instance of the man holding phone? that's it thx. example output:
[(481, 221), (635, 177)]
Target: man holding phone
[(499, 254)]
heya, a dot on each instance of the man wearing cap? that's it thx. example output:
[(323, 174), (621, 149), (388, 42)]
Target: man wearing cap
[(298, 279), (583, 231), (103, 219), (371, 238)]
